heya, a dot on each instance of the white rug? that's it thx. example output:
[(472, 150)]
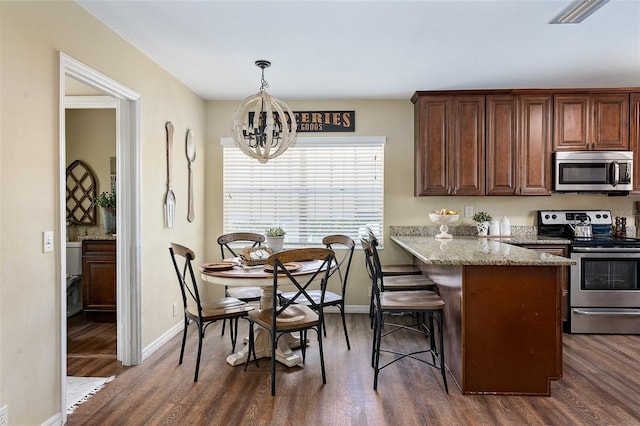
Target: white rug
[(80, 389)]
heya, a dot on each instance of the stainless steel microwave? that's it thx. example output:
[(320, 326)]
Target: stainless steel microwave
[(593, 171)]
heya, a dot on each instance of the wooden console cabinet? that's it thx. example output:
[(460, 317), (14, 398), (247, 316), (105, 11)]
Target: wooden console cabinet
[(99, 280)]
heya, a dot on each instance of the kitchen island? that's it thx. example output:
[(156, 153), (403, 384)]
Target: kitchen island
[(502, 317)]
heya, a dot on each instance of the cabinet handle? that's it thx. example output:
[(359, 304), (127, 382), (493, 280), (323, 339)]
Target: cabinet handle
[(449, 190)]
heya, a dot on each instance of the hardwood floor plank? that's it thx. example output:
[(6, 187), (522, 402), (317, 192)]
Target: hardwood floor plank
[(600, 386)]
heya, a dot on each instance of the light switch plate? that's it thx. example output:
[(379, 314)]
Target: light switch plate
[(468, 211), (47, 241)]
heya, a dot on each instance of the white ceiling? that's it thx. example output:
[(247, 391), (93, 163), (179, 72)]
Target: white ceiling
[(381, 49)]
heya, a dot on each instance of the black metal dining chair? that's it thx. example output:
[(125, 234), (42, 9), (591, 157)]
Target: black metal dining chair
[(203, 313), (421, 305), (226, 243), (341, 270), (290, 316)]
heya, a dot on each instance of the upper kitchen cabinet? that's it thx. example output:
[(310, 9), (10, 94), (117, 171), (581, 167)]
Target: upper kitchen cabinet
[(449, 145), (519, 144), (591, 122), (634, 139), (534, 158)]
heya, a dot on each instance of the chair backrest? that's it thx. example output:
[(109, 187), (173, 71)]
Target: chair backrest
[(373, 240), (343, 264), (368, 259), (225, 241), (282, 276), (373, 269), (186, 277)]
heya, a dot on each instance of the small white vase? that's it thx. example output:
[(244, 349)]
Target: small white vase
[(275, 243), (109, 220), (483, 228)]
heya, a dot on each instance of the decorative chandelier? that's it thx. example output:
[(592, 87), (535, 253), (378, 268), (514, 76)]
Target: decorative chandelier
[(269, 131)]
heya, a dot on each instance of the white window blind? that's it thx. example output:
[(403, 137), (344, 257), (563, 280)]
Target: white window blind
[(320, 186)]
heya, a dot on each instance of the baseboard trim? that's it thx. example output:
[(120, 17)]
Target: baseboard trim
[(160, 341)]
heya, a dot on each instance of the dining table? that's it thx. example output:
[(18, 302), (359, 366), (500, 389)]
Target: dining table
[(238, 274)]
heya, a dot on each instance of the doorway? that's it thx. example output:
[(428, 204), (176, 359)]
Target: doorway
[(90, 129), (127, 105)]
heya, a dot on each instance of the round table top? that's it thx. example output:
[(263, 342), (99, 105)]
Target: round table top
[(253, 276)]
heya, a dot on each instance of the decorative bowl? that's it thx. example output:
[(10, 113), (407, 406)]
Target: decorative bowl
[(444, 220)]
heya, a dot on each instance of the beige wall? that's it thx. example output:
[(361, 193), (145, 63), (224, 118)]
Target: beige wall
[(31, 36), (393, 119)]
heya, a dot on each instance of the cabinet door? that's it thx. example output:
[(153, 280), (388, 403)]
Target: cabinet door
[(99, 280), (432, 118), (610, 128), (591, 122), (563, 251), (100, 290), (502, 145), (534, 162), (467, 155), (634, 140), (571, 123)]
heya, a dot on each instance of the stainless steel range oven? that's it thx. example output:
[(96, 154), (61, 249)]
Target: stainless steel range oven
[(604, 290)]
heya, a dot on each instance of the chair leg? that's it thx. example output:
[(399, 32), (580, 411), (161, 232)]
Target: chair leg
[(378, 337), (252, 348), (273, 362), (233, 331), (344, 325), (184, 337), (224, 323), (324, 376), (303, 344), (200, 339), (441, 338)]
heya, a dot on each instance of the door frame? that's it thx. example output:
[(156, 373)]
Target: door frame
[(129, 321)]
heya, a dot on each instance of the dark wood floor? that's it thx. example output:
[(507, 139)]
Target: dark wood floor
[(91, 348), (601, 386)]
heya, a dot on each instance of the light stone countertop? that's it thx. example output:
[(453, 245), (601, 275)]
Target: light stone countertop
[(477, 251)]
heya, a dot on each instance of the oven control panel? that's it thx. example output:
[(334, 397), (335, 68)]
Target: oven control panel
[(571, 217)]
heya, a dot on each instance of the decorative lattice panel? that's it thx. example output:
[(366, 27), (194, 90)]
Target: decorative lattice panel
[(81, 191)]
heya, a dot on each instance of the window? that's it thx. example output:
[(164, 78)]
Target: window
[(321, 186)]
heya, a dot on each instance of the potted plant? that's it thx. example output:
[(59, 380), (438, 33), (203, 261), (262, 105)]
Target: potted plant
[(482, 219), (275, 238), (107, 200)]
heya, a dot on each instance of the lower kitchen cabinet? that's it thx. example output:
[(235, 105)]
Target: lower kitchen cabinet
[(558, 250), (99, 280)]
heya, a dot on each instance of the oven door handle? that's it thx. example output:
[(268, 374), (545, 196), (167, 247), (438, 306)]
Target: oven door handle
[(605, 249), (632, 312)]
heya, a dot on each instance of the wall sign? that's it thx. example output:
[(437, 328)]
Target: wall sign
[(321, 121)]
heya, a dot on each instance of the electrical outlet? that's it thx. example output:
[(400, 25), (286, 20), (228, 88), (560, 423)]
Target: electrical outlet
[(468, 211), (175, 309), (47, 241), (4, 416)]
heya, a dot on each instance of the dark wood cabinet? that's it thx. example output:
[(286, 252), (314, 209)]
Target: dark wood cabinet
[(449, 145), (634, 139), (519, 145), (99, 280), (502, 145), (591, 122), (558, 250), (535, 157)]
